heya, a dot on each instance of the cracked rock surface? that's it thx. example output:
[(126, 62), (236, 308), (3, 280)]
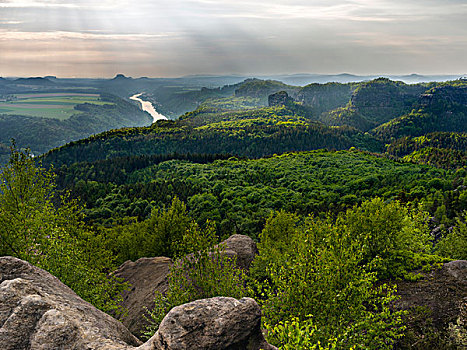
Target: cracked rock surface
[(38, 312)]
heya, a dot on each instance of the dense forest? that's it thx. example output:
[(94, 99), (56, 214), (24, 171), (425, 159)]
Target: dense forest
[(347, 189)]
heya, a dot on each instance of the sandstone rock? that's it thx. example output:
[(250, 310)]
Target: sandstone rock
[(445, 94), (37, 311), (442, 295), (148, 275), (243, 247), (212, 324), (280, 98)]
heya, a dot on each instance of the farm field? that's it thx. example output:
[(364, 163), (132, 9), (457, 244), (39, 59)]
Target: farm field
[(48, 105)]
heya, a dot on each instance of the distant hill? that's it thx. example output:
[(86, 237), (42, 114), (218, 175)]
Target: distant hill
[(441, 108), (229, 121), (34, 81), (251, 133), (375, 102), (325, 97), (261, 89)]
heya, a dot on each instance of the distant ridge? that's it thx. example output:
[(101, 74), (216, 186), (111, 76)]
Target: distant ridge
[(121, 77), (34, 81)]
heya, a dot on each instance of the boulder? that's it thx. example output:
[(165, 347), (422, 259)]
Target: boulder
[(212, 324), (437, 304), (243, 248), (148, 275), (37, 311)]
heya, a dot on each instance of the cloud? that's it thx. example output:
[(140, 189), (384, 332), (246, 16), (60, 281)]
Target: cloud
[(90, 36), (78, 4), (232, 36)]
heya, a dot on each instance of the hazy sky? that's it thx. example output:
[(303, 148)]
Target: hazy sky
[(99, 38)]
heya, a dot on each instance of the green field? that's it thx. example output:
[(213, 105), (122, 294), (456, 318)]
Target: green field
[(48, 105)]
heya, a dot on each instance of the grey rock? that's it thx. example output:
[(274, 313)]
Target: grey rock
[(212, 324), (37, 311), (243, 248), (148, 275), (457, 269), (280, 98), (443, 294)]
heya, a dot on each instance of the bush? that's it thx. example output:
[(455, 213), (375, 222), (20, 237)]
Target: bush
[(394, 239), (39, 226), (205, 273), (454, 245), (318, 283)]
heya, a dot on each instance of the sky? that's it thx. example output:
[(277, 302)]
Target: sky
[(155, 38)]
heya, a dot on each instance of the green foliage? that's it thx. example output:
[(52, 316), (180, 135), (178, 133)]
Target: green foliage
[(318, 282), (204, 273), (167, 229), (295, 334), (454, 244), (446, 150), (161, 235), (257, 88), (275, 239), (394, 239), (240, 194), (375, 102), (253, 133), (441, 109), (47, 230)]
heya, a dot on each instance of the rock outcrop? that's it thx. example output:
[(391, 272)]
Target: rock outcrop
[(38, 312), (280, 98), (243, 248), (445, 95), (228, 323), (148, 275), (437, 304)]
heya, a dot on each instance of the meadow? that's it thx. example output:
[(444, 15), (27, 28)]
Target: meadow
[(59, 106)]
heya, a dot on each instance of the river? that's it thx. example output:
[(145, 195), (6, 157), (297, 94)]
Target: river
[(148, 107)]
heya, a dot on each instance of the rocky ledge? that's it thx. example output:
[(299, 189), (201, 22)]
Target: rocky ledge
[(148, 275), (37, 311)]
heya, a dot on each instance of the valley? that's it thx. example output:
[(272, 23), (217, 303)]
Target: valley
[(346, 189)]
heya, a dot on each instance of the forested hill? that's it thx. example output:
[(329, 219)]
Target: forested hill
[(333, 116), (251, 133), (239, 194), (375, 102), (441, 108)]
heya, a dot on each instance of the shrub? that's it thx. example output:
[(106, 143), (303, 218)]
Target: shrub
[(319, 283), (39, 226), (454, 245), (205, 273)]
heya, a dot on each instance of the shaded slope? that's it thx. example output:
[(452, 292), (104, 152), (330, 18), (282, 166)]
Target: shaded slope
[(375, 102), (442, 108)]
